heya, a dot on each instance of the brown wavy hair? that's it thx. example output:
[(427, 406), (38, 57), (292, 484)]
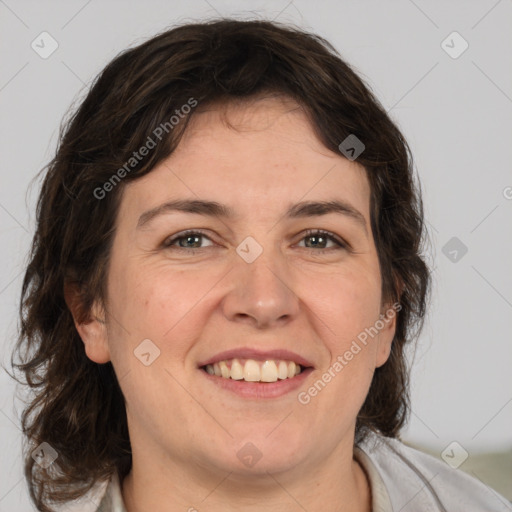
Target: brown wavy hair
[(77, 405)]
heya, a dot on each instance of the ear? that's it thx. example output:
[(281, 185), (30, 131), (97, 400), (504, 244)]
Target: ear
[(90, 324), (387, 333)]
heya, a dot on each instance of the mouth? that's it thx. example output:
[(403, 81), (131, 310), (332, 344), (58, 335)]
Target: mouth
[(254, 374), (252, 370)]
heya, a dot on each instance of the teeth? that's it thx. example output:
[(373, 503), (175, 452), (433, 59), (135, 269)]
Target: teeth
[(268, 371), (282, 372), (224, 369), (251, 370), (237, 372)]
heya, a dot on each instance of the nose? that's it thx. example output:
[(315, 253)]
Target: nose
[(261, 293)]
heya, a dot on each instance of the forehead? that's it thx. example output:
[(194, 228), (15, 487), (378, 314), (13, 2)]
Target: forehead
[(256, 156)]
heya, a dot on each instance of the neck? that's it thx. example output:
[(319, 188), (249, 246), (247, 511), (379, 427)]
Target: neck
[(327, 486)]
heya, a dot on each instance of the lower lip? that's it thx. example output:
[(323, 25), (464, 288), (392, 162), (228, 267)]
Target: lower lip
[(258, 390)]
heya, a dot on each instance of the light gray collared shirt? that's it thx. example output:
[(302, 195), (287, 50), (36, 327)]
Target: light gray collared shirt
[(401, 479)]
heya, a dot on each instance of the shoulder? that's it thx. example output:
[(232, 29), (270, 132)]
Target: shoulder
[(102, 497), (112, 499), (417, 482)]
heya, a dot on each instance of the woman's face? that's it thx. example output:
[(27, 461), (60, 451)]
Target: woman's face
[(252, 287)]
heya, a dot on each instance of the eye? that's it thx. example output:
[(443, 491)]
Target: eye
[(192, 240), (319, 238)]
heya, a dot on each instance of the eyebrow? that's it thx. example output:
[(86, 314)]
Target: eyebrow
[(215, 209)]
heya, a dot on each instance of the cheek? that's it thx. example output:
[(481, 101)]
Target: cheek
[(164, 305), (349, 307), (348, 301)]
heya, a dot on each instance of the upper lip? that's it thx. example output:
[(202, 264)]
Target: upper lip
[(250, 353)]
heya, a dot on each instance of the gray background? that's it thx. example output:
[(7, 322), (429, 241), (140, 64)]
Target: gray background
[(455, 112)]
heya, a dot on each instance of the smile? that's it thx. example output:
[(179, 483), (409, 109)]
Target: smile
[(257, 374), (252, 370)]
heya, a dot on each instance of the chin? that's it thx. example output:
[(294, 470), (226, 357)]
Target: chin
[(257, 452)]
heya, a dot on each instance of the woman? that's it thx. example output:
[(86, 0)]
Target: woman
[(225, 274)]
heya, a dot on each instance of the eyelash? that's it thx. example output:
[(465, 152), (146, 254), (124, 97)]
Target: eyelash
[(167, 244)]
